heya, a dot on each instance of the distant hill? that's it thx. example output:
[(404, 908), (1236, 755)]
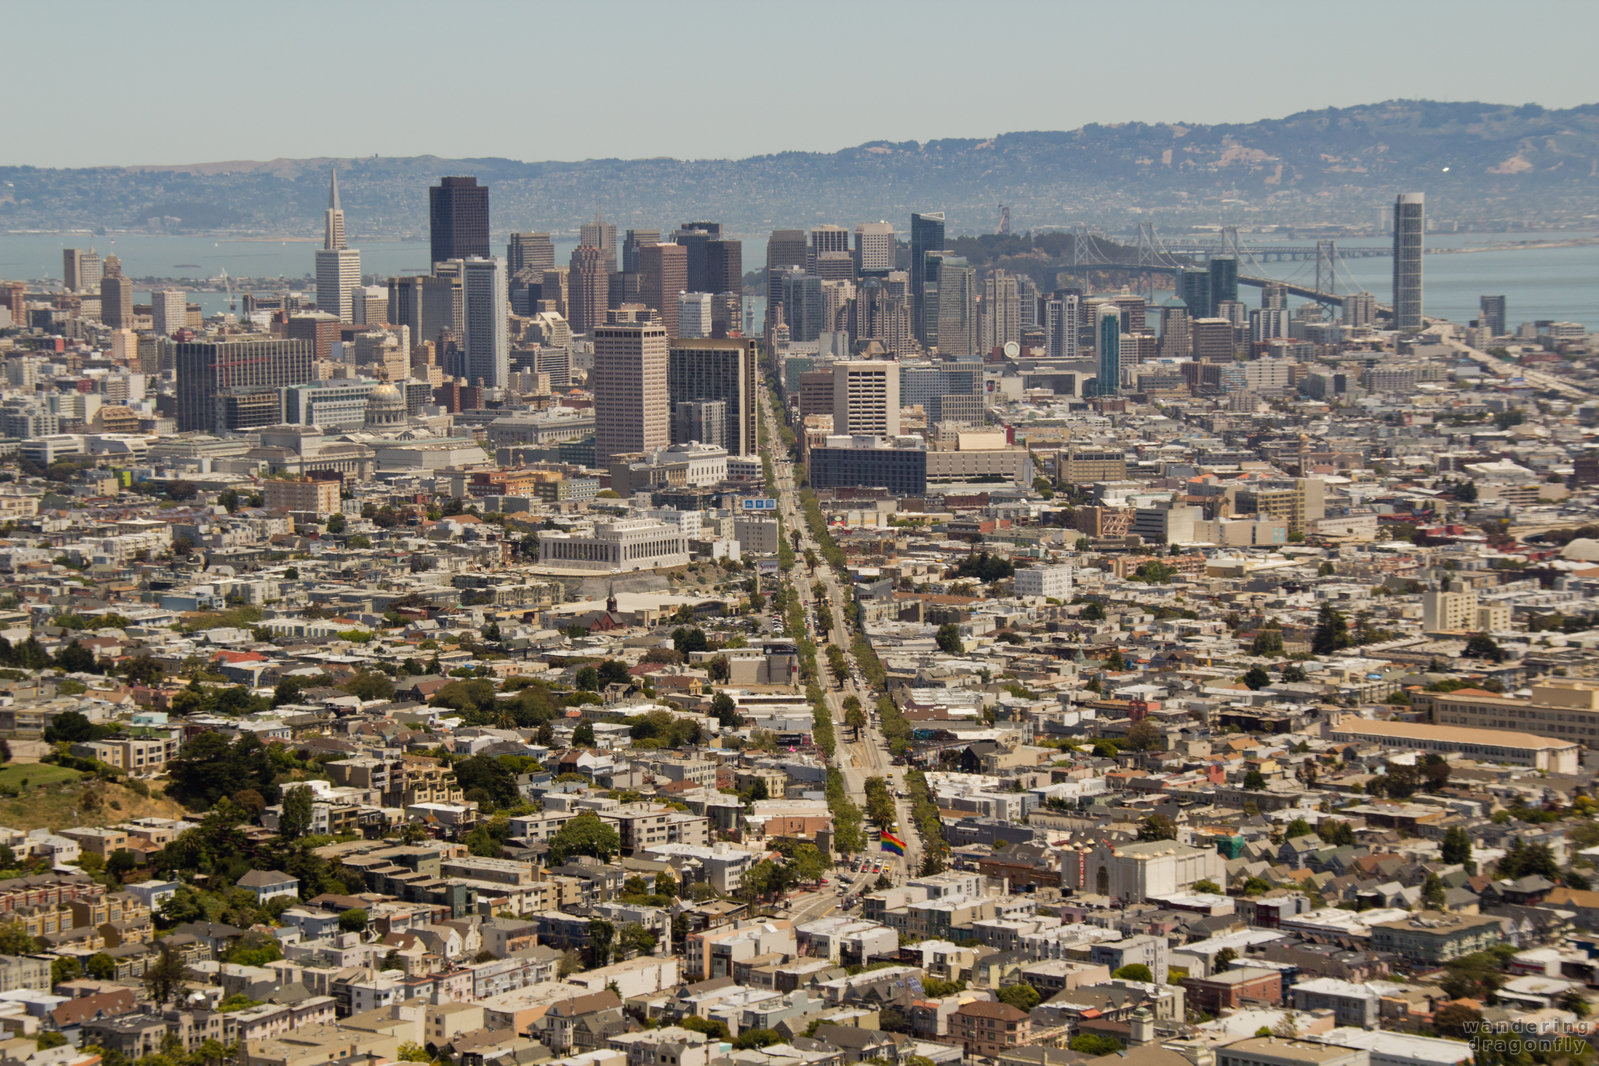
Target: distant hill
[(1479, 164)]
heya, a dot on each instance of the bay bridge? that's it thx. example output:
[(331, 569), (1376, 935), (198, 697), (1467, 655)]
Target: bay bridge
[(1151, 256)]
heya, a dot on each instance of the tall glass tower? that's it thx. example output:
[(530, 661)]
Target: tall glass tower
[(927, 235), (1110, 351), (1409, 223), (1223, 281)]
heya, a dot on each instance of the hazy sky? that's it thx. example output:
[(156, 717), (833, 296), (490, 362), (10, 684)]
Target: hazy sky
[(172, 81)]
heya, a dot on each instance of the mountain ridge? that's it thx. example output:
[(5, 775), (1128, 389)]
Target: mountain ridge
[(1480, 163)]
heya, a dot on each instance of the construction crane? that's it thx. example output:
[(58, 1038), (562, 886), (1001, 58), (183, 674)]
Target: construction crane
[(227, 286), (1004, 221)]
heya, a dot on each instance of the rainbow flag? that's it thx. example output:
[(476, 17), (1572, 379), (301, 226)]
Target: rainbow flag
[(892, 843)]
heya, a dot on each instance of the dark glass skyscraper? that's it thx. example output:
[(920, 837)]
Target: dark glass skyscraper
[(927, 235), (1223, 281), (1110, 351), (1194, 291), (458, 219), (1408, 228)]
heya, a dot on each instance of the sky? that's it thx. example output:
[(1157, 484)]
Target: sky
[(107, 82)]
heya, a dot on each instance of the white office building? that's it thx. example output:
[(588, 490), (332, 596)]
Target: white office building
[(487, 342), (693, 315), (1053, 581), (624, 545), (338, 275), (866, 399)]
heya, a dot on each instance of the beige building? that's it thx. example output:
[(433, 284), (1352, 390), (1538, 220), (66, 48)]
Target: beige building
[(1482, 745), (1456, 609), (866, 399), (632, 409), (1277, 1051), (1561, 708), (302, 495)]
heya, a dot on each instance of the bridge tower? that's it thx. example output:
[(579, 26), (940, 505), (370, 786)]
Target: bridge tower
[(1004, 220), (1327, 266), (1147, 257), (1229, 243)]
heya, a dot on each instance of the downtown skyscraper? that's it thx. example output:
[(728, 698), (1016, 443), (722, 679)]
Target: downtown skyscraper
[(632, 409), (338, 266), (458, 219), (927, 235), (1409, 226), (486, 342)]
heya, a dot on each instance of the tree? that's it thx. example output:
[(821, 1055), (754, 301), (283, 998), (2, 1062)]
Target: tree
[(602, 938), (1134, 971), (1293, 674), (583, 735), (1145, 735), (335, 523), (1457, 1021), (1482, 646), (634, 939), (586, 834), (587, 679), (687, 640), (166, 977), (1022, 996), (756, 1038), (69, 726), (1095, 1046), (1434, 773), (1337, 833), (1267, 642), (1257, 678), (410, 1051), (353, 920), (1331, 633), (370, 685), (948, 638), (1225, 958), (1297, 828), (1433, 893), (1157, 827), (1456, 847), (1254, 781), (714, 1028), (76, 659), (1207, 886), (295, 821)]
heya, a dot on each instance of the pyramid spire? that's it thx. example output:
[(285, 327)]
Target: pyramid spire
[(333, 228)]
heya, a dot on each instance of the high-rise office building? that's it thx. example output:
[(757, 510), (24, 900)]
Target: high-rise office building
[(632, 411), (696, 237), (80, 270), (724, 267), (1193, 289), (458, 219), (693, 315), (719, 370), (785, 250), (804, 309), (1062, 324), (1001, 311), (825, 240), (338, 266), (927, 235), (1176, 339), (866, 399), (222, 383), (1223, 282), (529, 251), (634, 243), (116, 295), (957, 307), (874, 248), (663, 277), (588, 289), (485, 340), (1409, 225), (169, 311), (1492, 315), (1360, 309), (425, 304), (1110, 364), (602, 235)]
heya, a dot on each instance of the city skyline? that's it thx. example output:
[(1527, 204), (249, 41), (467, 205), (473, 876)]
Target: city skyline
[(1461, 63)]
